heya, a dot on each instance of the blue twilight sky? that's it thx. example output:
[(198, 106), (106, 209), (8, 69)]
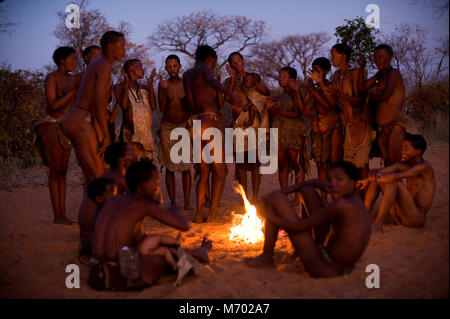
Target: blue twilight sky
[(31, 45)]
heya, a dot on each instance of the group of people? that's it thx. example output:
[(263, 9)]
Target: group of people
[(351, 119)]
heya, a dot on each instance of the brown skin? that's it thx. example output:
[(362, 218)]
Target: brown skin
[(288, 157), (388, 98), (347, 91), (172, 103), (115, 227), (90, 142), (400, 200), (60, 92), (88, 208), (346, 213), (237, 74), (135, 72), (325, 103), (92, 55), (202, 88)]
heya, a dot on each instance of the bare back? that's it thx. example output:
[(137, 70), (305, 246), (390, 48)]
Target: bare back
[(202, 96)]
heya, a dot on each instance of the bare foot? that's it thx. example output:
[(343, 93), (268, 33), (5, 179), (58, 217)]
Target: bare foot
[(211, 216), (187, 206), (259, 261), (179, 239), (199, 218), (63, 221), (206, 243)]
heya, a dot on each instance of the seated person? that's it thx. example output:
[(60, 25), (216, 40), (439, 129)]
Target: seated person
[(99, 191), (119, 156), (346, 213), (407, 204), (115, 233)]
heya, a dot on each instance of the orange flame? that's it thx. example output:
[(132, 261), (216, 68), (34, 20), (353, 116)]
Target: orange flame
[(249, 228)]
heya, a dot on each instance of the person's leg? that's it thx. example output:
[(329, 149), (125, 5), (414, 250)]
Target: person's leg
[(165, 252), (314, 204), (219, 174), (283, 169), (322, 175), (337, 142), (170, 185), (387, 203), (394, 144), (54, 154), (304, 245), (241, 174), (148, 244), (407, 210), (294, 159), (187, 180), (373, 190), (62, 180), (202, 185), (169, 240), (256, 181)]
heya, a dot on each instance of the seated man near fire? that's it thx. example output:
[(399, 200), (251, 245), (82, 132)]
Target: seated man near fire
[(343, 244), (125, 257), (408, 204)]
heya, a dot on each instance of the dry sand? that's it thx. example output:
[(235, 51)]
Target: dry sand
[(34, 252)]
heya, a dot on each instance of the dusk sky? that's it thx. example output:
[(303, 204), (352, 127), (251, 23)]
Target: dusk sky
[(31, 44)]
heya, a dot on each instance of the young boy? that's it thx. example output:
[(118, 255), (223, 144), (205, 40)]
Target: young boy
[(326, 124), (346, 213), (408, 204), (99, 191), (91, 53), (387, 103), (202, 91), (172, 103), (115, 229), (137, 101), (88, 141)]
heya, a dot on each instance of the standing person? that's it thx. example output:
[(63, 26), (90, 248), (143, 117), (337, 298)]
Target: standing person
[(252, 91), (202, 88), (90, 107), (137, 101), (326, 124), (61, 88), (172, 103), (358, 133), (387, 104), (91, 53), (286, 117)]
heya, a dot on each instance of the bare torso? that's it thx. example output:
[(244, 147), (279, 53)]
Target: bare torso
[(388, 110), (326, 117), (422, 187), (352, 231), (175, 109), (344, 81), (64, 84)]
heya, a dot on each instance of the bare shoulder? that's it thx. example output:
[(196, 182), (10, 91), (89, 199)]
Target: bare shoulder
[(51, 76), (428, 166), (347, 205)]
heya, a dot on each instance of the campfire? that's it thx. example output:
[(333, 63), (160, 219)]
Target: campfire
[(249, 228)]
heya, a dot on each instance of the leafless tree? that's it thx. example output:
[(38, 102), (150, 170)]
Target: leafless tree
[(225, 34), (297, 51), (6, 26)]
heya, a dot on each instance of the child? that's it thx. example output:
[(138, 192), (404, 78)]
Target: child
[(137, 102), (408, 204), (346, 213), (326, 125)]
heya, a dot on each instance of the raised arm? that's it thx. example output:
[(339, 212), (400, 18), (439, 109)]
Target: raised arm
[(55, 104)]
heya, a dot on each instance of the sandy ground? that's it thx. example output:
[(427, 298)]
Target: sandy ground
[(414, 263)]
